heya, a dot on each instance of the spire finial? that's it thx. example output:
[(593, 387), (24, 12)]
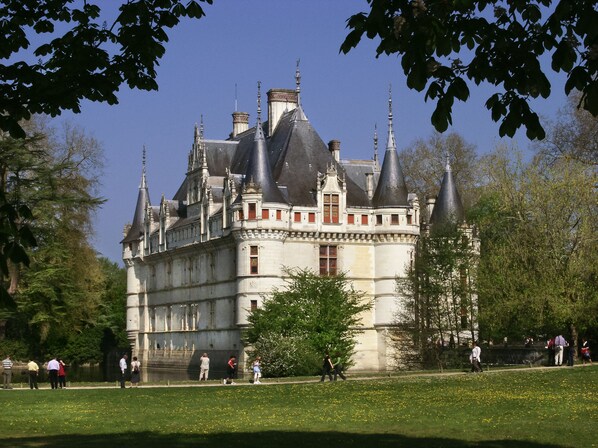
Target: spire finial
[(236, 97), (298, 80), (201, 126), (143, 159), (259, 102), (376, 143), (390, 104), (448, 161)]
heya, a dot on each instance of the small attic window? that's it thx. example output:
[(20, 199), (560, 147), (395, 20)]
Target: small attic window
[(351, 218), (265, 213), (378, 220), (394, 218), (251, 212)]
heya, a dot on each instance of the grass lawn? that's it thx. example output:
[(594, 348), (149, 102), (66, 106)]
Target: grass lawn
[(526, 408)]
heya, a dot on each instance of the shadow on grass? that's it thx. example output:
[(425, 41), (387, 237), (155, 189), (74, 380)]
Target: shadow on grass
[(260, 439)]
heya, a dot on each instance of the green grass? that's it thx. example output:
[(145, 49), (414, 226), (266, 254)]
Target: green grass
[(531, 408)]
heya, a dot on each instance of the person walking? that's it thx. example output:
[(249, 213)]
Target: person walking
[(475, 358), (585, 352), (231, 369), (204, 367), (559, 347), (33, 371), (338, 367), (61, 374), (327, 368), (7, 366), (135, 372), (257, 370), (53, 367), (122, 364)]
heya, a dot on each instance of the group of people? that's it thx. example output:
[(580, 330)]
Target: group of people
[(329, 366), (56, 369), (556, 350), (135, 371)]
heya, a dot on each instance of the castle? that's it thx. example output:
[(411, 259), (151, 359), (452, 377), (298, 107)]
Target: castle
[(266, 198)]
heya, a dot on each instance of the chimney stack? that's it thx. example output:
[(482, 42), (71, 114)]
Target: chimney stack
[(279, 102), (430, 202), (334, 146), (240, 123), (369, 184)]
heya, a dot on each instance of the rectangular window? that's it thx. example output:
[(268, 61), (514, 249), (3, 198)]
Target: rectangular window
[(378, 220), (253, 305), (312, 217), (327, 260), (351, 218), (394, 218), (409, 219), (241, 215), (279, 215), (297, 217), (253, 259), (265, 213), (212, 314), (251, 211), (364, 220), (331, 208)]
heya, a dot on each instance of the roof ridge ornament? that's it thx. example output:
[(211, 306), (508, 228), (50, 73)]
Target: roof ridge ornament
[(376, 143), (143, 160), (391, 144), (298, 82), (259, 103)]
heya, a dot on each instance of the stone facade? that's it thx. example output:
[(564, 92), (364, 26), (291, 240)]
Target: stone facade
[(198, 263)]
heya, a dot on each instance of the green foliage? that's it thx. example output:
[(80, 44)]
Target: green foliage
[(82, 56), (442, 44), (439, 298), (18, 350), (539, 260), (320, 314)]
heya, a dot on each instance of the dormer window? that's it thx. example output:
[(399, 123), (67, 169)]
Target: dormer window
[(251, 210), (331, 208)]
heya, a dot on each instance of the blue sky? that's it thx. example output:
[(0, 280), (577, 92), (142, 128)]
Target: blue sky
[(239, 43)]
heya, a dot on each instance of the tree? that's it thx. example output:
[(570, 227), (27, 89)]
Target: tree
[(539, 263), (82, 57), (56, 175), (574, 134), (424, 162), (442, 44), (439, 297), (298, 324)]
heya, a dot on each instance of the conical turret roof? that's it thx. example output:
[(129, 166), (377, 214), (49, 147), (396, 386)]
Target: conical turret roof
[(448, 207), (136, 230), (259, 172), (391, 190)]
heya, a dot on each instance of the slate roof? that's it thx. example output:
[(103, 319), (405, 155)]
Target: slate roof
[(448, 207), (136, 230), (391, 190), (298, 154), (258, 170)]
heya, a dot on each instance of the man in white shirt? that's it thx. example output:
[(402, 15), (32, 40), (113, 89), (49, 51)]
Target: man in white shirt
[(559, 346), (53, 367), (204, 367), (475, 359), (123, 370), (7, 373)]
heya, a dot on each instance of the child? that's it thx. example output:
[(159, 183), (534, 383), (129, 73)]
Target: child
[(585, 352), (257, 372)]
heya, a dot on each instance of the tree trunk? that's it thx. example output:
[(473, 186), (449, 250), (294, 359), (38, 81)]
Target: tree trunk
[(574, 337)]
